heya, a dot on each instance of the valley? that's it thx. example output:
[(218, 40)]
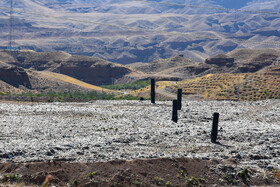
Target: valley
[(242, 74), (75, 88)]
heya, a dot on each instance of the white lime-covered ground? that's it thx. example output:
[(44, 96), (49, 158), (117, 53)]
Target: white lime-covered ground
[(249, 132)]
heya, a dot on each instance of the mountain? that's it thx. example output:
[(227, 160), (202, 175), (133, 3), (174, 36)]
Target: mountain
[(127, 31)]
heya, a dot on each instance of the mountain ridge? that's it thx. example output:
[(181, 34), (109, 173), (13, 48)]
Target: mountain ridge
[(132, 31)]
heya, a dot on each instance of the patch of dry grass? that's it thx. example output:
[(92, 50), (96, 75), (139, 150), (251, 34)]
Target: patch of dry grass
[(277, 175), (74, 81), (145, 92)]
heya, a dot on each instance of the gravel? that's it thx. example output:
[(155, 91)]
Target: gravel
[(249, 132)]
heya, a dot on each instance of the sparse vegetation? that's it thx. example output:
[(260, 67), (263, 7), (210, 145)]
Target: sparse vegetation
[(2, 93), (159, 181), (12, 178), (168, 183), (91, 174), (137, 182), (230, 179), (244, 173), (63, 96), (129, 86), (190, 180)]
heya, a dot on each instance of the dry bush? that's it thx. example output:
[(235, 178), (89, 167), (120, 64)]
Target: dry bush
[(277, 175)]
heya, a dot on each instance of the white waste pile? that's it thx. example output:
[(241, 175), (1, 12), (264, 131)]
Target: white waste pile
[(249, 132)]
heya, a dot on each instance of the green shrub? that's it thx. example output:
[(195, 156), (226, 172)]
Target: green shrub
[(244, 173), (92, 95)]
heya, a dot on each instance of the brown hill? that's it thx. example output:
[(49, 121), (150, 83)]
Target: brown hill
[(16, 80), (88, 69), (243, 61), (162, 64), (250, 55), (174, 69), (7, 88), (14, 76), (177, 67), (275, 70), (237, 61), (225, 86), (45, 81), (249, 60)]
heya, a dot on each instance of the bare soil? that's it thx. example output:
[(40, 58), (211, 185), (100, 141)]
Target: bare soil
[(139, 172)]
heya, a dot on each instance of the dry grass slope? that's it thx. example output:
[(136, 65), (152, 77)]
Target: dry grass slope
[(246, 87), (74, 81)]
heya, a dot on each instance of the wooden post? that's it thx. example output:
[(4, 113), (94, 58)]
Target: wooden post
[(153, 91), (214, 131), (179, 99), (175, 111)]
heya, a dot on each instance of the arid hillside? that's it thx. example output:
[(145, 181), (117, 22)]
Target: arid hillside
[(222, 86), (242, 74), (244, 87), (17, 80), (237, 61), (31, 71)]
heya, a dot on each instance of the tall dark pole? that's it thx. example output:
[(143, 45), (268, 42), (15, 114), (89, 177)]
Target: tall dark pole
[(214, 132), (179, 99), (153, 91), (175, 111)]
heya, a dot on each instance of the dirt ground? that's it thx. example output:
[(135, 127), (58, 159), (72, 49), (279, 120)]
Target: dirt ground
[(138, 173)]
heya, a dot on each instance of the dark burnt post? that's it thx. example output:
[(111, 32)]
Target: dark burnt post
[(175, 111), (214, 131), (153, 91), (179, 99)]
